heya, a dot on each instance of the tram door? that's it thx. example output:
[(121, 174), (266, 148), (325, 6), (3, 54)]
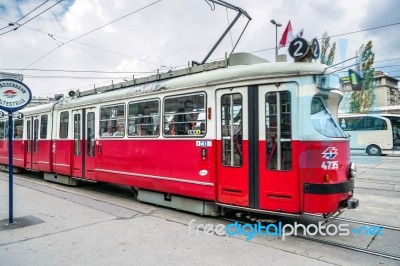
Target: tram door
[(232, 147), (32, 138), (83, 143), (254, 133), (279, 184)]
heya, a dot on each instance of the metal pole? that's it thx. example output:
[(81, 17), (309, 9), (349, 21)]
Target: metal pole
[(10, 166), (276, 42), (276, 36)]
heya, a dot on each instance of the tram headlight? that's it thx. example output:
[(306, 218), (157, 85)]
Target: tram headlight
[(353, 170)]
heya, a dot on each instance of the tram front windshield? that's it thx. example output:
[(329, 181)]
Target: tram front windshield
[(323, 121)]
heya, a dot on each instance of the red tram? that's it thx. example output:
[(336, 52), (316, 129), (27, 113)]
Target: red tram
[(239, 133)]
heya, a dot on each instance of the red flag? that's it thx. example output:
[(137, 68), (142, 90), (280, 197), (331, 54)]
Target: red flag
[(287, 36)]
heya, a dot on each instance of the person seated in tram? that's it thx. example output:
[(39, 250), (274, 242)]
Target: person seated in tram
[(109, 132), (146, 122), (120, 130), (186, 120)]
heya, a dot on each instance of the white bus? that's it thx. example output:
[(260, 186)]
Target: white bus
[(372, 133)]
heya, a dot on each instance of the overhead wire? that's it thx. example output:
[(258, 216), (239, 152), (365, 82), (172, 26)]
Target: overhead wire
[(80, 71), (53, 36), (13, 23), (373, 28), (338, 35), (91, 31), (19, 25)]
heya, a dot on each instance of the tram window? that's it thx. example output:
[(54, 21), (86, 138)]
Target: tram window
[(322, 120), (43, 126), (18, 128), (64, 117), (28, 135), (6, 130), (2, 129), (90, 134), (231, 129), (77, 134), (185, 115), (35, 135), (278, 126), (112, 121), (144, 118)]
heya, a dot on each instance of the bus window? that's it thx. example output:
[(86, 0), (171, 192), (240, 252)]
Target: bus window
[(374, 123)]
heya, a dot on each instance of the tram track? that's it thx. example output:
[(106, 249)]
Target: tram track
[(389, 227), (350, 247), (124, 193), (335, 244)]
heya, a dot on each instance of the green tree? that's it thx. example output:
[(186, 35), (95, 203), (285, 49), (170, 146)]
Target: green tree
[(362, 101), (327, 56)]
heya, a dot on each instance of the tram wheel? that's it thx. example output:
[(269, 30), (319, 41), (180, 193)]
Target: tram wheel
[(135, 192), (374, 150)]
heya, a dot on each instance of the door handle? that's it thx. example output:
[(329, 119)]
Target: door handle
[(99, 149)]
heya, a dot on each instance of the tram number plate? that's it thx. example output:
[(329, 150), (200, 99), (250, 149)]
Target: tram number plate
[(330, 165), (201, 143)]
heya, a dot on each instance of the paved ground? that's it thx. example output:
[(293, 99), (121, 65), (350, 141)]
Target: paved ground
[(103, 225)]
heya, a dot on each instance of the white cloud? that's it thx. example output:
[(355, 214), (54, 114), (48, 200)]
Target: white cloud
[(169, 33)]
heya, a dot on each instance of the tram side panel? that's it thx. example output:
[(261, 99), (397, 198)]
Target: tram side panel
[(174, 166), (19, 153), (324, 171)]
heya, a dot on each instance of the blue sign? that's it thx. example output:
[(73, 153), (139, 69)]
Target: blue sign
[(14, 95)]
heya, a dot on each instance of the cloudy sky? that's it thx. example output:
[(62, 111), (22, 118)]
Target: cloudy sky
[(91, 42)]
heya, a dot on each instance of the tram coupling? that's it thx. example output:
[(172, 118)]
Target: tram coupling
[(351, 203)]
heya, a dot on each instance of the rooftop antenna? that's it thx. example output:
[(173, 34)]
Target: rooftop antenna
[(240, 12)]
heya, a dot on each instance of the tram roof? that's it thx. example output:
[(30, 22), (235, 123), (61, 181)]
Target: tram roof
[(239, 67)]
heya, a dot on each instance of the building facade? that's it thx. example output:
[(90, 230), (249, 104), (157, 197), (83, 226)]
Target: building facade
[(386, 93)]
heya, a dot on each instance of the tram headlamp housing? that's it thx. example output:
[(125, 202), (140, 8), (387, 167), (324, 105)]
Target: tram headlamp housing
[(352, 170), (327, 81)]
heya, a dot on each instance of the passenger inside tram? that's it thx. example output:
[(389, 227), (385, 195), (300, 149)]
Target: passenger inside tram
[(186, 120), (146, 122), (120, 130), (109, 132)]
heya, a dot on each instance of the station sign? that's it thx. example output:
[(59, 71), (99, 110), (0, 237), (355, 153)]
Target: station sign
[(14, 95)]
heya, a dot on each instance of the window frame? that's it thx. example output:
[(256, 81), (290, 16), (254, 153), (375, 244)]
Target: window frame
[(63, 131), (41, 126), (117, 121), (165, 122), (129, 117)]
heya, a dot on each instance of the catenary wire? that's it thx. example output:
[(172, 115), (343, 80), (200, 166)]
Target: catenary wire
[(13, 23), (19, 25)]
